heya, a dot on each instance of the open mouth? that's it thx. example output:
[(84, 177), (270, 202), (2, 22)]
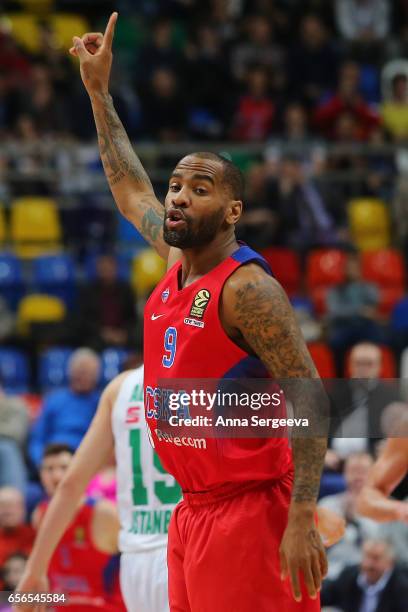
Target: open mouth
[(174, 218)]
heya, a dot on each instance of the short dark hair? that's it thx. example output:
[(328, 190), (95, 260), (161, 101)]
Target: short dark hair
[(233, 177), (400, 76), (56, 449), (14, 555)]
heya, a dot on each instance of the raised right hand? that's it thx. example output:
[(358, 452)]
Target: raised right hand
[(95, 57)]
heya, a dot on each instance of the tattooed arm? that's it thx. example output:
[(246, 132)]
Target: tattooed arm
[(129, 183), (256, 314)]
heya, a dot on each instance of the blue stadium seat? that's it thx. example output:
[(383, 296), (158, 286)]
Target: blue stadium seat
[(89, 266), (302, 303), (53, 368), (14, 370), (370, 83), (399, 316), (112, 363), (11, 279), (55, 275)]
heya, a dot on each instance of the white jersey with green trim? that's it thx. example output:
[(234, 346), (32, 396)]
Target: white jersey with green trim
[(146, 494)]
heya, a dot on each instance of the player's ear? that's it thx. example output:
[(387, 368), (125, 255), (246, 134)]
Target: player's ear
[(234, 212)]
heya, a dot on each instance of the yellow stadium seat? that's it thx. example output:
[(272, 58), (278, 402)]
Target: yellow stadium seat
[(35, 226), (3, 230), (37, 6), (66, 26), (38, 308), (369, 222), (24, 29), (147, 269)]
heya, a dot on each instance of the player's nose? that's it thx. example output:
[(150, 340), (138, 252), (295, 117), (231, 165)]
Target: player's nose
[(180, 198)]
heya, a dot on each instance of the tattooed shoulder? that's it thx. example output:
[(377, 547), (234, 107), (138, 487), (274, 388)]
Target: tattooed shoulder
[(260, 309)]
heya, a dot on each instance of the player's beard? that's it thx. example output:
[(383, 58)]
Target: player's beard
[(194, 235)]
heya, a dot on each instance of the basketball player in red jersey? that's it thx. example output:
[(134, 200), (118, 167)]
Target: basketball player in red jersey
[(245, 532), (84, 565)]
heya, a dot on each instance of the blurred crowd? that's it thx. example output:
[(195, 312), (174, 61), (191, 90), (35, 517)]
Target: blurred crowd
[(240, 70)]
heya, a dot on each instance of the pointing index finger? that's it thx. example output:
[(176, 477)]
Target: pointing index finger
[(109, 32)]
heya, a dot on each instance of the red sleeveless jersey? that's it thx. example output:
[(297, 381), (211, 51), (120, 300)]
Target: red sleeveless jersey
[(184, 339), (88, 577)]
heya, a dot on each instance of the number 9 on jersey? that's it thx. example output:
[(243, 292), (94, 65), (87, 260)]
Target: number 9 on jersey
[(170, 346)]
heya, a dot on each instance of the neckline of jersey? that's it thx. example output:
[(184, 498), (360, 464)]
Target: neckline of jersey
[(179, 269)]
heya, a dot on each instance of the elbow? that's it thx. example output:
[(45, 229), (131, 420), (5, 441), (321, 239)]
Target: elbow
[(125, 209)]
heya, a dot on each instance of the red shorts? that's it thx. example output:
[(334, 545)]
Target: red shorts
[(223, 555)]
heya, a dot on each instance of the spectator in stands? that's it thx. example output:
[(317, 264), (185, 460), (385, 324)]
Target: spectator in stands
[(15, 534), (52, 56), (345, 128), (258, 223), (208, 75), (47, 109), (164, 107), (313, 62), (13, 434), (255, 113), (376, 584), (352, 309), (30, 160), (394, 112), (107, 308), (303, 218), (373, 172), (13, 62), (296, 138), (363, 20), (259, 48), (12, 571), (380, 167), (295, 124), (348, 550), (67, 413), (159, 53), (10, 574), (358, 404), (347, 101)]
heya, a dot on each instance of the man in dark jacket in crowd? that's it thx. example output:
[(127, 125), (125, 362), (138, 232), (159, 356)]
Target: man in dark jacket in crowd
[(107, 312), (377, 585)]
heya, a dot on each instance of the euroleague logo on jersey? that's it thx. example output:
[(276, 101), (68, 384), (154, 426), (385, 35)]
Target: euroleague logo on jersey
[(200, 303), (79, 536)]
